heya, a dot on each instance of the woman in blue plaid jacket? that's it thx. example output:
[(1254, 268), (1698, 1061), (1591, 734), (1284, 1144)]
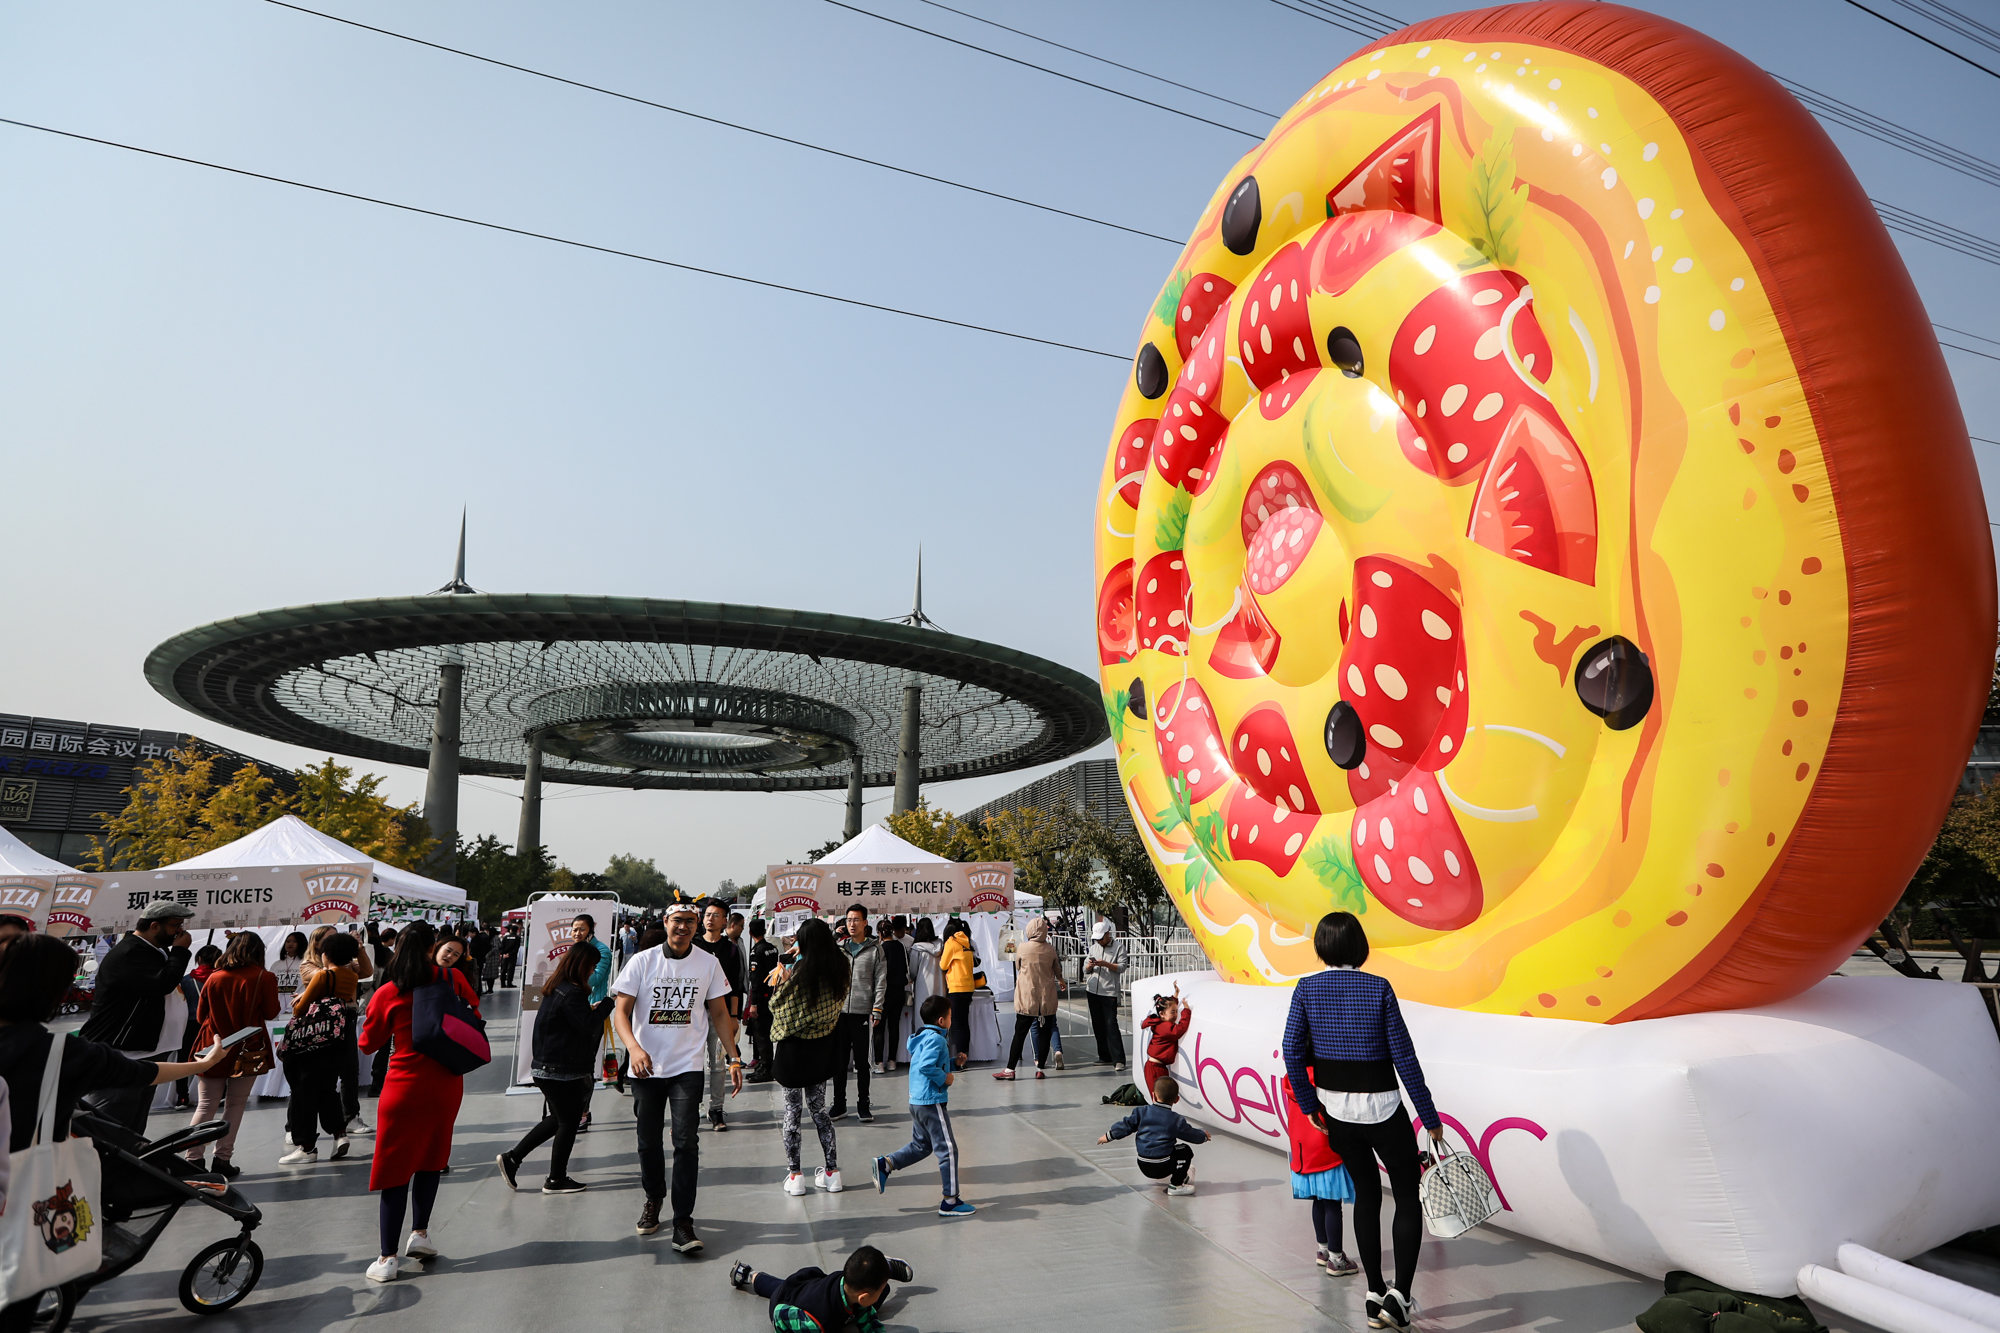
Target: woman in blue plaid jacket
[(1345, 1043)]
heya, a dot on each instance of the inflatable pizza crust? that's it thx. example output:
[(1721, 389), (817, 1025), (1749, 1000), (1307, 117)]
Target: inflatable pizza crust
[(1506, 537)]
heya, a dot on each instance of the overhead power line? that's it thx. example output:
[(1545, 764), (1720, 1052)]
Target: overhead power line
[(714, 120), (1937, 233), (1029, 64), (562, 240), (1955, 55), (1964, 25), (1889, 132), (1371, 32), (1102, 60)]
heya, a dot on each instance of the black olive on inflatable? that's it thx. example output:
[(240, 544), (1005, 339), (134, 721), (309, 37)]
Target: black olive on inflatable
[(1344, 350), (1137, 703), (1614, 681), (1151, 375), (1242, 216), (1346, 738)]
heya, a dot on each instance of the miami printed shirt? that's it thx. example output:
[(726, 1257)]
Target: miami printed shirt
[(670, 1005)]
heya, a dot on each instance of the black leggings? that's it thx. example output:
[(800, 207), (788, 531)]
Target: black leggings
[(565, 1102), (314, 1101), (1359, 1146), (1042, 1025), (420, 1193), (961, 1023), (1326, 1223)]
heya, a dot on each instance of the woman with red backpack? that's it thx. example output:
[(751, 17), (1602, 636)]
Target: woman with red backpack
[(419, 1101)]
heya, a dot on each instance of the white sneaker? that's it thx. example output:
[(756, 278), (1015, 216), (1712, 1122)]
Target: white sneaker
[(795, 1184), (1181, 1191), (828, 1180), (420, 1247), (384, 1270), (303, 1157), (358, 1126)]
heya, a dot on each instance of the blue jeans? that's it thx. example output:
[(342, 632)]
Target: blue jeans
[(930, 1132), (652, 1098)]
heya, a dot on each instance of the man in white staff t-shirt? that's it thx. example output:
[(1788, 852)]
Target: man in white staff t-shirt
[(666, 998)]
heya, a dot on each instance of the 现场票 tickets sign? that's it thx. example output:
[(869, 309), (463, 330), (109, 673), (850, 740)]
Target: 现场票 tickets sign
[(949, 886), (251, 896), (59, 904)]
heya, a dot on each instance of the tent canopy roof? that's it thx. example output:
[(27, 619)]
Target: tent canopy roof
[(290, 841), (876, 846), (18, 858)]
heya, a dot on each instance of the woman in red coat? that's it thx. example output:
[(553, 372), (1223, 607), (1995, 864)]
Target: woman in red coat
[(418, 1105)]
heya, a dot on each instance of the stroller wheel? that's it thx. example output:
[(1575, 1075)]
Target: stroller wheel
[(221, 1275), (52, 1309)]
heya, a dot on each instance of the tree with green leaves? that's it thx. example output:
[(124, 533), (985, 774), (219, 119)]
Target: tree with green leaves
[(639, 883), (355, 812), (499, 879), (177, 809)]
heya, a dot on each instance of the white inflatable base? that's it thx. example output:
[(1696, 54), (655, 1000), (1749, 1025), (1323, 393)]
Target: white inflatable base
[(1741, 1146), (1955, 1298), (1889, 1311)]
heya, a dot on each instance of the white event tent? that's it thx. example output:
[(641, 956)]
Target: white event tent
[(18, 858), (877, 846), (290, 841)]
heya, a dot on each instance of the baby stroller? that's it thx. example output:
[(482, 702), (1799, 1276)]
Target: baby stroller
[(145, 1185)]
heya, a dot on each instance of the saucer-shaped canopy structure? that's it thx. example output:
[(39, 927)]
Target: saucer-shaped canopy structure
[(630, 692)]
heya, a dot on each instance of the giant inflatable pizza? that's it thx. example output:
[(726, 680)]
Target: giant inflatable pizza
[(1539, 520)]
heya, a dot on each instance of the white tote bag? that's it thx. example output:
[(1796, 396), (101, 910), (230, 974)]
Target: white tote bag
[(49, 1229), (1456, 1194)]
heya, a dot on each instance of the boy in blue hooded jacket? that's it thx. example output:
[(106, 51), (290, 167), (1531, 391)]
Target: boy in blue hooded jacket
[(930, 1119)]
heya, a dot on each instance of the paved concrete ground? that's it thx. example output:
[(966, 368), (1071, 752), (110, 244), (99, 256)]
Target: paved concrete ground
[(1067, 1232)]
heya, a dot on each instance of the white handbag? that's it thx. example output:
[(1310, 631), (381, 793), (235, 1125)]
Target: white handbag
[(50, 1232), (1456, 1194)]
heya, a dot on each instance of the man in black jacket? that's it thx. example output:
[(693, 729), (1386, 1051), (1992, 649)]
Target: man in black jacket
[(763, 957), (136, 982), (888, 1034)]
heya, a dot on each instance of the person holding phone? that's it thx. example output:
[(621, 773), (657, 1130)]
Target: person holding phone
[(138, 1010), (241, 994)]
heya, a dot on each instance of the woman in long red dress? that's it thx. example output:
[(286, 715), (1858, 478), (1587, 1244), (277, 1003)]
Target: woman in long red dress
[(418, 1106)]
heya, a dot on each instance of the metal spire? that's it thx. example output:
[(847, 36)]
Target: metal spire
[(917, 616), (458, 583)]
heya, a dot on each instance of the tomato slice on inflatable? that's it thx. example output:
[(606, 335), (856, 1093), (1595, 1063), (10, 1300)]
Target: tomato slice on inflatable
[(1536, 503), (1117, 640), (1399, 177)]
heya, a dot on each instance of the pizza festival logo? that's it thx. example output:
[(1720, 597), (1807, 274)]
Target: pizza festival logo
[(561, 934), (63, 1218), (322, 885), (797, 891), (1265, 1096)]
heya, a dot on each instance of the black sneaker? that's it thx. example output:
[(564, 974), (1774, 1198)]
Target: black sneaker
[(899, 1270), (563, 1185), (225, 1168), (685, 1241), (740, 1275), (717, 1123), (649, 1218), (837, 1113), (508, 1166), (866, 1116)]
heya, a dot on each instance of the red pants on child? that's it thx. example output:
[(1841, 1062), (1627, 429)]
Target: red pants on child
[(1152, 1074)]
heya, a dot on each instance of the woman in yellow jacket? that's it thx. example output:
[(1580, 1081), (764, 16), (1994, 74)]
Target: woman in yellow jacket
[(957, 961)]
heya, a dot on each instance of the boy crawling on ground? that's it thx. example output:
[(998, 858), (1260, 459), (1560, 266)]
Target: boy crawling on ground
[(811, 1301), (1162, 1136)]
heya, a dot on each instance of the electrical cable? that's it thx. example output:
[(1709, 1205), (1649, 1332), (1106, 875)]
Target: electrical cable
[(563, 240), (1956, 55), (1029, 64), (1937, 233), (714, 120), (1102, 60), (1368, 33), (1965, 333), (1889, 132), (1962, 25)]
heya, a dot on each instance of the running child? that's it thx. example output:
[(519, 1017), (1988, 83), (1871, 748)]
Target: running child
[(1319, 1175), (1165, 1027), (812, 1301), (1161, 1135), (930, 1119)]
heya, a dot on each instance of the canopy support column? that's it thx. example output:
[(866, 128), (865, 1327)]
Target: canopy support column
[(853, 826), (530, 836), (441, 786), (909, 754)]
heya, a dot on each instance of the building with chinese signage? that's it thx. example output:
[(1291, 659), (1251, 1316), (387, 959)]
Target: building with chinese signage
[(57, 776)]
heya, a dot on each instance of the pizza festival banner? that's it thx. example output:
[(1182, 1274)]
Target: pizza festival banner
[(335, 893), (543, 944), (919, 890), (59, 904)]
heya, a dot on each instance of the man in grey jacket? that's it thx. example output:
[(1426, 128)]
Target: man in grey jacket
[(867, 987)]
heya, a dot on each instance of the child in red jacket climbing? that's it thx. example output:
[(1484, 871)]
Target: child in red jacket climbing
[(1165, 1027), (1319, 1175)]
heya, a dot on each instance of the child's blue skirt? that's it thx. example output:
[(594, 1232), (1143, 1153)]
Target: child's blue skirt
[(1333, 1184)]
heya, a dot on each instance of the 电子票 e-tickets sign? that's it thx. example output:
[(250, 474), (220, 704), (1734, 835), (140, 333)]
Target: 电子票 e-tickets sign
[(251, 896), (945, 886)]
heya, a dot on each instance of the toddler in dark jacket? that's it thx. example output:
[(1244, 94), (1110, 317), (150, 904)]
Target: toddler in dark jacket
[(1162, 1136)]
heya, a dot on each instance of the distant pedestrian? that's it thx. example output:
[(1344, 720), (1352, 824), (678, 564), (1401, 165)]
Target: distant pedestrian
[(1101, 969), (814, 1301), (568, 1028), (896, 966), (419, 1104), (1161, 1135), (715, 940), (313, 1073), (667, 999), (868, 988), (348, 1074), (291, 954), (1318, 1175), (930, 1115), (1165, 1027), (957, 959), (1036, 986), (926, 972), (1344, 1046), (242, 993), (757, 1006), (806, 1015), (480, 947), (510, 953)]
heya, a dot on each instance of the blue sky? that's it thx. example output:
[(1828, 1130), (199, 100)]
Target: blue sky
[(219, 395)]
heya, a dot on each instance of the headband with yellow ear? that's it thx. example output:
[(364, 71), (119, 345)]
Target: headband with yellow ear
[(1539, 521)]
